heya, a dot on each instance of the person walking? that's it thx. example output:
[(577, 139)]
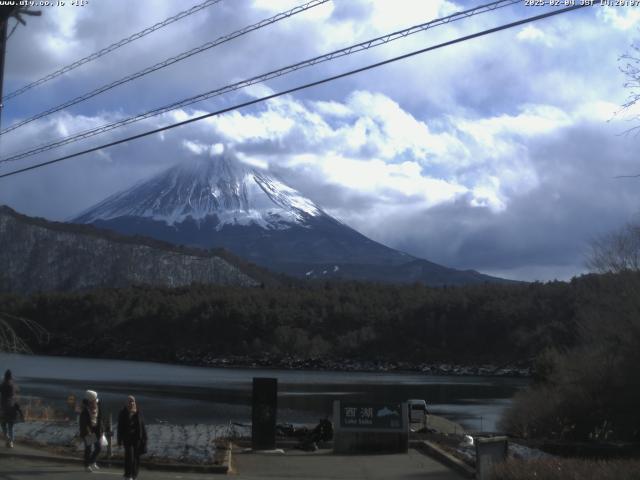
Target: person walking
[(8, 403), (132, 434), (91, 429)]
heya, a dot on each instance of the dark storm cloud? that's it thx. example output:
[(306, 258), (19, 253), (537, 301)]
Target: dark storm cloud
[(551, 226)]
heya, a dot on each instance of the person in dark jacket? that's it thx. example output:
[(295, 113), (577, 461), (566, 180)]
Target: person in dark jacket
[(91, 429), (8, 404), (132, 434)]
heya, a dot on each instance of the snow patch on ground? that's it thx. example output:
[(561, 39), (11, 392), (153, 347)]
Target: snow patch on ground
[(182, 443), (515, 450), (526, 453)]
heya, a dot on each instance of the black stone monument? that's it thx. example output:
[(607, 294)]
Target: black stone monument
[(263, 413)]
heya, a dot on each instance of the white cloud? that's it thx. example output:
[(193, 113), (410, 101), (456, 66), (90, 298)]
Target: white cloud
[(195, 147), (252, 161), (485, 194), (319, 13), (371, 125), (241, 127), (532, 120), (217, 149), (60, 40), (389, 181), (392, 131), (390, 16), (622, 18), (258, 90), (369, 143), (333, 109), (598, 111), (376, 146), (533, 34)]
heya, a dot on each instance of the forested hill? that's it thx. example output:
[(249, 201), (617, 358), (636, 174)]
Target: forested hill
[(468, 324)]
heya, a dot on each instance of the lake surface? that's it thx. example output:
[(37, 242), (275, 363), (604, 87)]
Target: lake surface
[(184, 394)]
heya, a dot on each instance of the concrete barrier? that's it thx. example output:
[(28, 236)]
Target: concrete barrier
[(489, 451), (444, 457)]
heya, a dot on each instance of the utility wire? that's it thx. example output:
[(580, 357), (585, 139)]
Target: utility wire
[(111, 48), (266, 76), (169, 61), (300, 87)]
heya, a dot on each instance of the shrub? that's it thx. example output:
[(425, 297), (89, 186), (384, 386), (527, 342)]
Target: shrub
[(567, 469), (591, 391)]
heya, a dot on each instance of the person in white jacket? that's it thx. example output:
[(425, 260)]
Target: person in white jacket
[(91, 429)]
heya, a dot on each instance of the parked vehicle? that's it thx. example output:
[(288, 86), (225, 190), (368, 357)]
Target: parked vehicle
[(417, 411)]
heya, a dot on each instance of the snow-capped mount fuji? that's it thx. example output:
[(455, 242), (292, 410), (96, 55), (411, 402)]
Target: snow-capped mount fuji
[(223, 187), (222, 202)]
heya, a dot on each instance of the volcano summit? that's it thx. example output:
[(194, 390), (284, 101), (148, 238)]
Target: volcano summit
[(222, 202)]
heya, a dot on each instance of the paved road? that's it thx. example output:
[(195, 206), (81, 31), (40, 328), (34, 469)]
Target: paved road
[(323, 465), (294, 464), (316, 466), (30, 463), (20, 469)]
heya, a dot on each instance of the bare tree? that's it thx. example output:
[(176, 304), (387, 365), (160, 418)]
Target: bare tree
[(631, 68), (618, 251), (12, 341)]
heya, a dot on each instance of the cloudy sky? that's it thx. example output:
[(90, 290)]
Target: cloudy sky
[(498, 154)]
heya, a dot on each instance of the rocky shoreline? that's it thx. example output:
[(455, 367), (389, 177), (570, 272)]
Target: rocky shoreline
[(109, 347), (351, 365)]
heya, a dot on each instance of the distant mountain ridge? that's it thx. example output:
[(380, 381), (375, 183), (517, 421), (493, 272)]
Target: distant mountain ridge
[(221, 202), (38, 255)]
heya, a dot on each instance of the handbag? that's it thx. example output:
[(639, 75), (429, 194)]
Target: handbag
[(103, 441)]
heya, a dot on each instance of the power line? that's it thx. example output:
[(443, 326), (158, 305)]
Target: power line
[(169, 61), (111, 48), (266, 76), (300, 87)]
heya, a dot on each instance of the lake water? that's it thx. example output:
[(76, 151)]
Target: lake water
[(184, 394)]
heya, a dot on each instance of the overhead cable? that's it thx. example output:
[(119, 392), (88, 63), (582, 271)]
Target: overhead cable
[(168, 61), (266, 76), (300, 87), (111, 48)]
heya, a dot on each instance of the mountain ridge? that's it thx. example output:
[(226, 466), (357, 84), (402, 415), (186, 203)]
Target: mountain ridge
[(40, 255)]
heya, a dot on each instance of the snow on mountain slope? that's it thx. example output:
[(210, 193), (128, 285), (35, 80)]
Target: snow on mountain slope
[(221, 202), (221, 186)]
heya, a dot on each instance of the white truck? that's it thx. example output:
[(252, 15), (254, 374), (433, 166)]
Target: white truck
[(417, 411)]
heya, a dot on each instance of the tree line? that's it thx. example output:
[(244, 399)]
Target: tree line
[(414, 323)]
